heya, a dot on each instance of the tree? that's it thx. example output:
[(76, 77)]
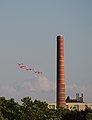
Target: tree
[(38, 110), (89, 116)]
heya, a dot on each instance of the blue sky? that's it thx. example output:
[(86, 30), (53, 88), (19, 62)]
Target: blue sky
[(28, 31)]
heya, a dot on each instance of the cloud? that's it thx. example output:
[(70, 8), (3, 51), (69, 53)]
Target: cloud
[(38, 83), (8, 91), (27, 86), (44, 84), (38, 87)]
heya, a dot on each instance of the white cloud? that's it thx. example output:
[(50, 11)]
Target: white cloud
[(44, 84), (8, 91), (38, 87), (39, 83), (27, 86)]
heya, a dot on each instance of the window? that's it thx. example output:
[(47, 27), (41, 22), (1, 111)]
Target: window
[(66, 106), (76, 107)]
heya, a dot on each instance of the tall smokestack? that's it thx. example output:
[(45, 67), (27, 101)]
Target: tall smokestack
[(61, 100)]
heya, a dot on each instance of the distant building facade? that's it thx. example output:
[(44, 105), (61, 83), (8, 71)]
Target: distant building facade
[(72, 105)]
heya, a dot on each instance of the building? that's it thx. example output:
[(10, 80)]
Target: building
[(72, 105), (77, 99)]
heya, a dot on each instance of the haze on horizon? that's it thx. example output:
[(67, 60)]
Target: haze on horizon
[(28, 31)]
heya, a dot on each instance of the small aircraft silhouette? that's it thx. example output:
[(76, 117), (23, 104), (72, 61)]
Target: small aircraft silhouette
[(22, 66), (29, 68), (38, 72)]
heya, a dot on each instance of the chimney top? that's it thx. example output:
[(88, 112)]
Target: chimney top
[(59, 37)]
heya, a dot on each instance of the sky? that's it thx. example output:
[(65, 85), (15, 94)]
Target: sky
[(28, 33)]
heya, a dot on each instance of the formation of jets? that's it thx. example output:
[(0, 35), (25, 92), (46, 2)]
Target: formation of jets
[(25, 67)]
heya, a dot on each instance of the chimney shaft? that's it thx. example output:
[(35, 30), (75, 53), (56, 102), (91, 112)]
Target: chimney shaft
[(61, 100)]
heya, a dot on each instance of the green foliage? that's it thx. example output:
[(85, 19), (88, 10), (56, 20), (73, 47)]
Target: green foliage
[(89, 116), (38, 110)]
